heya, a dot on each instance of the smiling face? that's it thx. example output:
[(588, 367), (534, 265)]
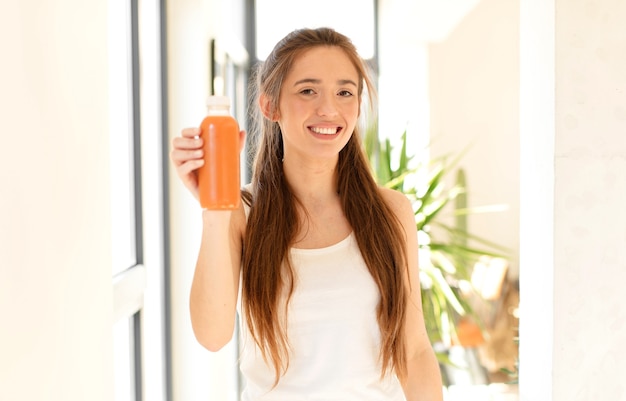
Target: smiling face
[(319, 104)]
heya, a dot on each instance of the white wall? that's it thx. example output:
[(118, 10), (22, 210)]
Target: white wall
[(198, 374), (449, 74), (403, 83), (55, 266), (590, 194), (573, 317), (473, 93)]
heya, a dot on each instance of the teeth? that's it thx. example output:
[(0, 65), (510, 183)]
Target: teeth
[(324, 131)]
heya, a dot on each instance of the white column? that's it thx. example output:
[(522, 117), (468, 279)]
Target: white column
[(55, 231), (536, 198), (573, 188)]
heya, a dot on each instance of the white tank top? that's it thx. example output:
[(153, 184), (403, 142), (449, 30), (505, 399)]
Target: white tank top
[(333, 334)]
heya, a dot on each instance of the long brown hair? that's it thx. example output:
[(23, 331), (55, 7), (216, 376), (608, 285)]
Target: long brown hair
[(273, 221)]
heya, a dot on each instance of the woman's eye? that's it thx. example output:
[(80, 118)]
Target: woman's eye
[(307, 91), (345, 93)]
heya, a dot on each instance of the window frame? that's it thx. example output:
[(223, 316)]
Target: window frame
[(140, 289)]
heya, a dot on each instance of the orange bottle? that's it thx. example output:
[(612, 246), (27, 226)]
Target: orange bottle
[(218, 178)]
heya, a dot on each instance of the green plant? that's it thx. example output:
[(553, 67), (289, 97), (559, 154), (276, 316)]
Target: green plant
[(446, 259)]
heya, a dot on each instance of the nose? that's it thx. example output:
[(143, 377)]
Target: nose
[(327, 105)]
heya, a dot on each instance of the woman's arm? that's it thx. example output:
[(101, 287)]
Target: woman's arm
[(423, 381), (215, 286)]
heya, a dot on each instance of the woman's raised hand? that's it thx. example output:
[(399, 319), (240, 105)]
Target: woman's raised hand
[(187, 156)]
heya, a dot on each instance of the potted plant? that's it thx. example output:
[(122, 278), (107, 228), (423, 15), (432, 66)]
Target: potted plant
[(446, 259)]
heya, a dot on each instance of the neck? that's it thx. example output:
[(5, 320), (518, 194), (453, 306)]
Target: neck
[(312, 181)]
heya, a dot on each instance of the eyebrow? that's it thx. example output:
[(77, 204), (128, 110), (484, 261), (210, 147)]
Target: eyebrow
[(318, 81)]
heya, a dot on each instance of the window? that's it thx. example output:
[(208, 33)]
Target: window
[(137, 213), (355, 19)]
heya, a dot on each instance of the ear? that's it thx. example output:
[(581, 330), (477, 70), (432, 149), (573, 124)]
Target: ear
[(266, 108)]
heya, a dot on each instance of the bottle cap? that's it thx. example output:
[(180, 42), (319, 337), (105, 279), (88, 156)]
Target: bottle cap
[(218, 101)]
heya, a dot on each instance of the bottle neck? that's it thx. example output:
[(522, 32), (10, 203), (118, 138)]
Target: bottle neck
[(218, 111)]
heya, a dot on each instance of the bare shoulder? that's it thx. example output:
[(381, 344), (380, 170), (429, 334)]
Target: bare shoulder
[(401, 206), (397, 201)]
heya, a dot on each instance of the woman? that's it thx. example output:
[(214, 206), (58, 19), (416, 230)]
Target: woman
[(320, 262)]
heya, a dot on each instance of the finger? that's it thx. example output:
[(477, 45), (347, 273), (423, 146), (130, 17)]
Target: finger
[(186, 143), (242, 139), (179, 156), (190, 132), (186, 170)]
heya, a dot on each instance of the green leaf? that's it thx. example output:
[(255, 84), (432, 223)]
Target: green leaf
[(440, 283), (404, 158), (450, 259)]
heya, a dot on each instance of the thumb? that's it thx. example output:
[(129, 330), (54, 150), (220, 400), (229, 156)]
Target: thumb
[(242, 139)]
